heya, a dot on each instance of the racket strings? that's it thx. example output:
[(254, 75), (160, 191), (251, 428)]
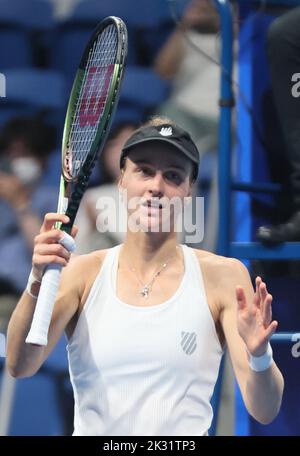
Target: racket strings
[(92, 98)]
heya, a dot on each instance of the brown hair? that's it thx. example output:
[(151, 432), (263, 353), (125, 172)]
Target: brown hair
[(157, 121), (36, 135)]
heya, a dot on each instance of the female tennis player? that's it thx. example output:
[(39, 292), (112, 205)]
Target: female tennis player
[(147, 321)]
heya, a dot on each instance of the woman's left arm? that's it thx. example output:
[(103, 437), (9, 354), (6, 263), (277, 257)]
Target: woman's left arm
[(247, 323)]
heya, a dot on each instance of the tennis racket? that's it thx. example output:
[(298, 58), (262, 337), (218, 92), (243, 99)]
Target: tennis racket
[(92, 103)]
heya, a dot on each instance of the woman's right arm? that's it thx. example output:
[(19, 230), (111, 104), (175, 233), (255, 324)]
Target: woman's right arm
[(23, 359)]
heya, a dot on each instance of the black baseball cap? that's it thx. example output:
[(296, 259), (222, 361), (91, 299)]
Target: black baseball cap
[(168, 133)]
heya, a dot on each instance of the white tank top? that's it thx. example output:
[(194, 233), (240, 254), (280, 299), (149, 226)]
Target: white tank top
[(144, 370)]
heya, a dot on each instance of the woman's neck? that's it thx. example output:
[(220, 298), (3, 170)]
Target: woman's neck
[(147, 252)]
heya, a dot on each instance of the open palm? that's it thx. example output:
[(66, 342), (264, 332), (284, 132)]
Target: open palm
[(254, 319)]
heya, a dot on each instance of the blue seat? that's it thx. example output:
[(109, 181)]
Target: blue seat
[(73, 33), (32, 91), (19, 20), (142, 88), (128, 113), (42, 88), (151, 28), (93, 10), (148, 24), (67, 47), (17, 49), (141, 13), (32, 14)]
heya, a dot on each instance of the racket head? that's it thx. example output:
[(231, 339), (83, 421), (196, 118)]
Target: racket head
[(92, 104)]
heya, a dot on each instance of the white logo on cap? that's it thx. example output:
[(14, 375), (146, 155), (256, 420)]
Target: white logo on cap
[(166, 131)]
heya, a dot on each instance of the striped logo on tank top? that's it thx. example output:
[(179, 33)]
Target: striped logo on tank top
[(188, 342)]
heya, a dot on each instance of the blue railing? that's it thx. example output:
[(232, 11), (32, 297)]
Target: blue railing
[(242, 250)]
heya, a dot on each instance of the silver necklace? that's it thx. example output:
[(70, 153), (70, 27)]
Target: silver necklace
[(147, 287)]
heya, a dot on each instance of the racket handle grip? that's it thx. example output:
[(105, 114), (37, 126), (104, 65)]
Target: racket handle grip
[(38, 333)]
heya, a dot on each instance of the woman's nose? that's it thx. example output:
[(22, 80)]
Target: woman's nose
[(156, 185)]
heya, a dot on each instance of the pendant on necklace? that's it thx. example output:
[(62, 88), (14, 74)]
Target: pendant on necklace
[(145, 291)]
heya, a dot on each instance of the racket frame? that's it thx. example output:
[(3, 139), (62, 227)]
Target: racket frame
[(72, 190)]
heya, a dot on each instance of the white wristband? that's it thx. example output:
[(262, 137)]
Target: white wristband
[(33, 285), (263, 362)]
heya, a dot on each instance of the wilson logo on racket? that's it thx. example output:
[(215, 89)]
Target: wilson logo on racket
[(188, 342), (93, 101)]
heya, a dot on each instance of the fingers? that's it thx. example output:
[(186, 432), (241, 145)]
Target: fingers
[(48, 253), (258, 281), (52, 249), (240, 297), (49, 237), (40, 261), (74, 231), (271, 329), (263, 291), (265, 303), (267, 310), (48, 249), (50, 219)]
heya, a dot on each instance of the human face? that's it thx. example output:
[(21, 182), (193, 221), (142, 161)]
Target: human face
[(23, 163), (156, 175)]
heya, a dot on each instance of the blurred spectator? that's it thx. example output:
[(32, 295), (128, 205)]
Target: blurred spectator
[(25, 144), (62, 8), (283, 48), (90, 218), (194, 100)]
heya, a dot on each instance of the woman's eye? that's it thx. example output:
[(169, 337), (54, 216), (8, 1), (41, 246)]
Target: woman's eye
[(146, 171), (174, 176)]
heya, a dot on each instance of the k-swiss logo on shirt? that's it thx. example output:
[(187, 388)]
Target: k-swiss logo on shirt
[(188, 342)]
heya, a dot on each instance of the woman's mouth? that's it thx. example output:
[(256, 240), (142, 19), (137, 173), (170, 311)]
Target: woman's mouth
[(153, 204)]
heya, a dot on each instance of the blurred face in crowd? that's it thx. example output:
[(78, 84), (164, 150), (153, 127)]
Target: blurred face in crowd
[(19, 160), (112, 152), (201, 15), (25, 145), (18, 148)]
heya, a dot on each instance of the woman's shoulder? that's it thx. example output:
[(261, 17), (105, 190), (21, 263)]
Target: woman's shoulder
[(83, 269), (209, 257), (217, 263), (92, 259)]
